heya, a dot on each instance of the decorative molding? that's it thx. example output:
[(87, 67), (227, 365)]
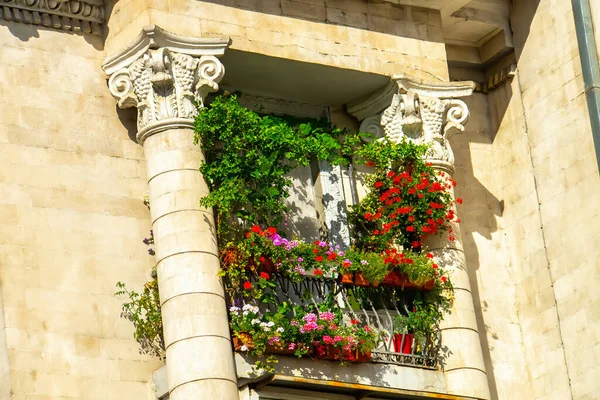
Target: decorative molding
[(276, 106), (70, 15), (420, 111), (496, 79), (164, 82), (154, 37)]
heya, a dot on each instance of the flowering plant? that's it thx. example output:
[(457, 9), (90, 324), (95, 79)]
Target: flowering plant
[(406, 203)]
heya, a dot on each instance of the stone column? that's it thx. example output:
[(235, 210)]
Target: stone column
[(163, 75), (429, 113)]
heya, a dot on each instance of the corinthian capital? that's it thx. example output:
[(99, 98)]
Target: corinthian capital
[(422, 112), (164, 75)]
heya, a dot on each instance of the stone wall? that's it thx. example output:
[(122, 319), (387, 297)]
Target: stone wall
[(568, 189), (71, 222), (527, 171), (370, 36)]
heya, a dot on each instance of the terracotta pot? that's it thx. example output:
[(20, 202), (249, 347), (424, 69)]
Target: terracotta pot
[(242, 339), (362, 357), (396, 278), (403, 346), (330, 352), (279, 348), (268, 265), (360, 280), (348, 277)]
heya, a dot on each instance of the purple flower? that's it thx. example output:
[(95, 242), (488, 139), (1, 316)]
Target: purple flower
[(322, 244), (300, 259)]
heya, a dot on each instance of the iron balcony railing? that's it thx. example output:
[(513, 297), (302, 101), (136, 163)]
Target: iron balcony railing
[(374, 306)]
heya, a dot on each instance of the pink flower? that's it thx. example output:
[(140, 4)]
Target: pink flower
[(327, 316), (291, 346), (310, 318), (310, 326), (337, 338), (327, 339), (274, 339)]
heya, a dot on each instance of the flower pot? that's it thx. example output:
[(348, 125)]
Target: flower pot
[(403, 343), (398, 279), (348, 277), (279, 348), (362, 357), (267, 265), (360, 280), (242, 339)]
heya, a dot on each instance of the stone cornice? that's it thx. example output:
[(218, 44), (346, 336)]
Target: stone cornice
[(154, 37), (496, 79), (72, 15)]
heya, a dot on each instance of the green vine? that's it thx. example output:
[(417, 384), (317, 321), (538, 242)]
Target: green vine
[(249, 157)]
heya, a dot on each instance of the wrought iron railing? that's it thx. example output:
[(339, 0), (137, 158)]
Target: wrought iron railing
[(374, 306)]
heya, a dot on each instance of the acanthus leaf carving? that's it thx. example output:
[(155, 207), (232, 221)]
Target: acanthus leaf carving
[(165, 85), (427, 113)]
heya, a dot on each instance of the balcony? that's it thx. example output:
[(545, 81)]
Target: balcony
[(376, 307)]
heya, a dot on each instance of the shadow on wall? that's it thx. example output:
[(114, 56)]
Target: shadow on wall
[(479, 215), (383, 17), (25, 32)]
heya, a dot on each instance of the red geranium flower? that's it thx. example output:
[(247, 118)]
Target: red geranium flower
[(444, 279), (256, 229), (429, 255), (459, 200), (319, 258), (247, 285), (263, 275), (318, 272), (410, 228), (434, 266), (354, 321), (378, 184)]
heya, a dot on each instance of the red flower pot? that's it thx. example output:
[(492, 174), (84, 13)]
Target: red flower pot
[(348, 277), (279, 348), (399, 346), (395, 278), (360, 280)]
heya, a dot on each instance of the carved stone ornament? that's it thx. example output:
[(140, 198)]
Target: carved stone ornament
[(70, 15), (422, 112), (163, 75)]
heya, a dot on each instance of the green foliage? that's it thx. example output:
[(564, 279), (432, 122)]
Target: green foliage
[(248, 158), (143, 310), (407, 199)]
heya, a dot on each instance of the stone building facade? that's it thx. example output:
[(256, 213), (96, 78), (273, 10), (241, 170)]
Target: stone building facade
[(96, 106)]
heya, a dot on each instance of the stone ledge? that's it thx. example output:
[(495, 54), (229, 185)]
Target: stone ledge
[(75, 16)]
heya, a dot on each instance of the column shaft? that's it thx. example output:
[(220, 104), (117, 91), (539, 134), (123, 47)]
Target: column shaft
[(464, 367), (200, 362)]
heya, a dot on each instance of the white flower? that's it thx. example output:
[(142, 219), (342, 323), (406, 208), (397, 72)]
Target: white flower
[(255, 321), (247, 307), (244, 348), (280, 330), (245, 313), (270, 323), (234, 308)]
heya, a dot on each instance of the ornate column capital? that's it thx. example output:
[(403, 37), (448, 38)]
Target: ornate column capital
[(163, 75), (422, 112)]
